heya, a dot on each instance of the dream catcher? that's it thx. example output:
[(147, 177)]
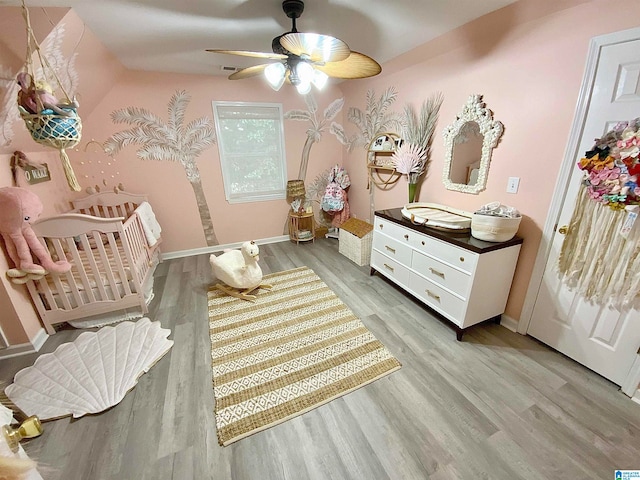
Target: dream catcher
[(51, 122)]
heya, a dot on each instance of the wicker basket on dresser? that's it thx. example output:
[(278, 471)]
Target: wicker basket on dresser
[(465, 280)]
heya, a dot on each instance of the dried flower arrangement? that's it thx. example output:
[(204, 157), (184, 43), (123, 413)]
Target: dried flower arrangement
[(413, 156)]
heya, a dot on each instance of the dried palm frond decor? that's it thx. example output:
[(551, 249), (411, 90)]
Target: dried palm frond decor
[(50, 122), (410, 160), (413, 156)]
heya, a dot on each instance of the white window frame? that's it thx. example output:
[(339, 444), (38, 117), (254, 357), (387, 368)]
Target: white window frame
[(226, 159)]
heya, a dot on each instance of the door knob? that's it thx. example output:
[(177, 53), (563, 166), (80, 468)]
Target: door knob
[(563, 230)]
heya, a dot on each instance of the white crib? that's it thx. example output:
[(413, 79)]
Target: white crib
[(113, 262)]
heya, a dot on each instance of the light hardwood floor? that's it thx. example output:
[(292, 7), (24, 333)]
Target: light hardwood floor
[(496, 406)]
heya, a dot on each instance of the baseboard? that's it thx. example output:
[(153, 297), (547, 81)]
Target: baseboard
[(25, 348), (39, 339), (630, 385), (509, 323), (636, 397), (219, 248)]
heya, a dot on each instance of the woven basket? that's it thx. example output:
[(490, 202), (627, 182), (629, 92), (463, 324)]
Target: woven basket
[(56, 131), (355, 239), (59, 132)]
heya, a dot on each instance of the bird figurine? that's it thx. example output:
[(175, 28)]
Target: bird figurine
[(239, 271)]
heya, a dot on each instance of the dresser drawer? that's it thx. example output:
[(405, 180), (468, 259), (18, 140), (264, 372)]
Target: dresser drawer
[(437, 298), (390, 268), (445, 252), (393, 230), (392, 248), (442, 274)]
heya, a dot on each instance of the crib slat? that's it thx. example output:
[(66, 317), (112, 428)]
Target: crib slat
[(84, 275), (112, 283), (70, 279)]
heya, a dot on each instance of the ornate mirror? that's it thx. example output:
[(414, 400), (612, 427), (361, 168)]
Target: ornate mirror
[(469, 142)]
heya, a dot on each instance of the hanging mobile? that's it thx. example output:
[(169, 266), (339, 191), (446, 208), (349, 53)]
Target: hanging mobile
[(50, 122)]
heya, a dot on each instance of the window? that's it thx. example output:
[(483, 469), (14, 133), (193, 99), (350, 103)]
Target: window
[(251, 146)]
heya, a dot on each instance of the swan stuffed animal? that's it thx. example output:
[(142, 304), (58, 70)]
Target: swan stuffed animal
[(239, 270)]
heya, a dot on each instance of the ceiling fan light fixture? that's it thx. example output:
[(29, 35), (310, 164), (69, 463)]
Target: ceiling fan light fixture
[(305, 58), (275, 74), (303, 87), (319, 79), (304, 72)]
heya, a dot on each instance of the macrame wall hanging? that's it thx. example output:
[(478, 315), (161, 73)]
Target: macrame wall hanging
[(600, 256), (51, 122)]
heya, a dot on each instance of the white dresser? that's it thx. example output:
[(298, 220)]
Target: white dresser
[(464, 279)]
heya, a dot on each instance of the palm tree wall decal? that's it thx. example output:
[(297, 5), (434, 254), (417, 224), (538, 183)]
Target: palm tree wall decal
[(169, 142), (373, 120), (314, 133)]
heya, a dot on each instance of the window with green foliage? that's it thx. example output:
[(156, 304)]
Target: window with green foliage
[(252, 154)]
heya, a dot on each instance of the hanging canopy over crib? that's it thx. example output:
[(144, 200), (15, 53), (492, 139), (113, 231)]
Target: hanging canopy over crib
[(50, 122)]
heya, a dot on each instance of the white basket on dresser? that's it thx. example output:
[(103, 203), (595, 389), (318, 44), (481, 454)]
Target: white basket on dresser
[(464, 279)]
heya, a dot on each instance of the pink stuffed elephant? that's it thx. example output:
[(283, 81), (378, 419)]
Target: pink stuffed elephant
[(18, 209)]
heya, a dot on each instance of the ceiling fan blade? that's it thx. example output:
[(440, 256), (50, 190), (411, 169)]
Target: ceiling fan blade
[(246, 53), (358, 65), (319, 48), (248, 72)]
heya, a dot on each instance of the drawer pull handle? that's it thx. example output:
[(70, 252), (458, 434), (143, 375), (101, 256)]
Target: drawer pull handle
[(388, 267), (462, 259), (433, 295), (436, 272), (422, 242), (406, 237), (392, 250), (381, 225)]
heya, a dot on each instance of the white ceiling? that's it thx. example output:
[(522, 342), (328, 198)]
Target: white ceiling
[(172, 35)]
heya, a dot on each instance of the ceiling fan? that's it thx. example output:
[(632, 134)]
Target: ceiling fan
[(305, 58)]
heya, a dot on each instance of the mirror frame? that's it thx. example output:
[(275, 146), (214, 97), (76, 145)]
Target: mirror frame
[(491, 130)]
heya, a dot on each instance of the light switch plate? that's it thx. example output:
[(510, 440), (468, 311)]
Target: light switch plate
[(512, 184)]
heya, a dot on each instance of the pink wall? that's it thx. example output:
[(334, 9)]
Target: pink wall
[(527, 60), (169, 191)]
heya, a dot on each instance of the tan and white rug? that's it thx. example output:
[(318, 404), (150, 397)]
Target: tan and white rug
[(295, 348)]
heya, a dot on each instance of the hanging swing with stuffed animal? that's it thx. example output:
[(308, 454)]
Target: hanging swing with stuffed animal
[(51, 122)]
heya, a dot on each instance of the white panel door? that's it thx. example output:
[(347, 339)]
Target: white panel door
[(597, 336)]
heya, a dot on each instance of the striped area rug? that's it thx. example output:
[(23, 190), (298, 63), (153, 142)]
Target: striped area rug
[(295, 348)]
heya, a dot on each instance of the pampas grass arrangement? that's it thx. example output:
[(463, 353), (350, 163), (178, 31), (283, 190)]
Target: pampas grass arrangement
[(418, 127)]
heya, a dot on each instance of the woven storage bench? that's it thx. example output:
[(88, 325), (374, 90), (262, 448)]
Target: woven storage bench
[(355, 240)]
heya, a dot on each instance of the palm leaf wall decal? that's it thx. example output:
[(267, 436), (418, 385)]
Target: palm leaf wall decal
[(299, 115), (177, 106), (333, 109)]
